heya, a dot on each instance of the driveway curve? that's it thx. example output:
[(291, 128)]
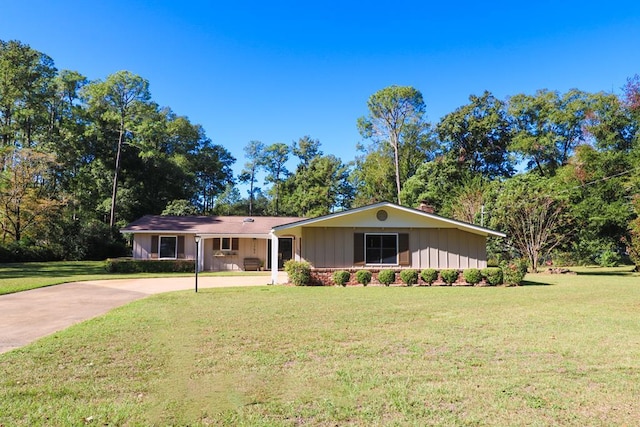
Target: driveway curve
[(29, 315)]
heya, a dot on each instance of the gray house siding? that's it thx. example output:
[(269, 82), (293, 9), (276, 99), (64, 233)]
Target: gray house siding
[(429, 247), (328, 247)]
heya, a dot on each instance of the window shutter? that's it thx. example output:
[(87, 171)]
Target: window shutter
[(216, 243), (235, 244), (358, 249), (181, 247), (154, 246), (404, 255)]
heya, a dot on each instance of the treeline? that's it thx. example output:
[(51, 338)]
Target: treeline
[(80, 158), (559, 173)]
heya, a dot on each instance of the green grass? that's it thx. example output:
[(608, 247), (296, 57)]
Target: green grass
[(563, 350), (24, 276)]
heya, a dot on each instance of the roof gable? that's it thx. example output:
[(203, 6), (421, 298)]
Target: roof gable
[(387, 215)]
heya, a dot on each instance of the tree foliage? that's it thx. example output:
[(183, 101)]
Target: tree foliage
[(395, 114), (254, 155), (534, 218), (547, 127), (77, 156), (479, 135)]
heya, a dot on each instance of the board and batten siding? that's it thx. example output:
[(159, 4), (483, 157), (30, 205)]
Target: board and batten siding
[(328, 247), (429, 247)]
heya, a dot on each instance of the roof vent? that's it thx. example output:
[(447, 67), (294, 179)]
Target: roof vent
[(248, 220)]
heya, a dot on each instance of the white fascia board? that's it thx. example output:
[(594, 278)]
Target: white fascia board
[(241, 236), (158, 231)]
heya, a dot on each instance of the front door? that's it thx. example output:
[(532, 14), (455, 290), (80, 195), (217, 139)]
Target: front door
[(285, 252)]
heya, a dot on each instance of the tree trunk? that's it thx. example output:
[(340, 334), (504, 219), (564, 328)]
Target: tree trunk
[(114, 193), (253, 178), (397, 165)]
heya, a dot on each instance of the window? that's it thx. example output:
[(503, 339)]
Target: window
[(377, 249), (381, 248), (225, 244), (168, 247)]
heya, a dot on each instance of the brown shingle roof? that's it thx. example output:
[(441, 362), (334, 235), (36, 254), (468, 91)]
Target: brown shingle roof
[(207, 224)]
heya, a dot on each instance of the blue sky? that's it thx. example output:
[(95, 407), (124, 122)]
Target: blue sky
[(276, 71)]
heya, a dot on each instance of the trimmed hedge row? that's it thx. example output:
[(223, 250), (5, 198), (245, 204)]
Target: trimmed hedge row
[(300, 274), (20, 252), (126, 265)]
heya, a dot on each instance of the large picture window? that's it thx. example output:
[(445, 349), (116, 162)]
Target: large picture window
[(381, 249), (168, 247)]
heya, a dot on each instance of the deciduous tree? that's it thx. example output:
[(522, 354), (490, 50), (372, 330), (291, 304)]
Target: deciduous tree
[(547, 127), (535, 220), (479, 134), (25, 197), (392, 111)]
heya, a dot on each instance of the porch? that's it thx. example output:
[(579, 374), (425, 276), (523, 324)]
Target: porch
[(242, 253)]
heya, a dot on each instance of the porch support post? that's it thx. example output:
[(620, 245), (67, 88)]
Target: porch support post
[(274, 258), (200, 255)]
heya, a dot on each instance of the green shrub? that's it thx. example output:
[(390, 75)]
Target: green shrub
[(449, 276), (125, 265), (363, 277), (472, 276), (608, 258), (409, 277), (341, 277), (299, 272), (386, 277), (513, 272), (492, 275), (429, 275), (564, 259), (25, 251)]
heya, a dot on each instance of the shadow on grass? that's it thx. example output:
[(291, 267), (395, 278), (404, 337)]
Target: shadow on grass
[(606, 273), (530, 283)]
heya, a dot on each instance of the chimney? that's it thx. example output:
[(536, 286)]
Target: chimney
[(425, 207)]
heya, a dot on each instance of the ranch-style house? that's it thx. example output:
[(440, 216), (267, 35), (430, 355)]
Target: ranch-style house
[(381, 235)]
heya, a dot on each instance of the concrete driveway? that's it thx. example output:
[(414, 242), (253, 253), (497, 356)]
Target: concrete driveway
[(27, 316)]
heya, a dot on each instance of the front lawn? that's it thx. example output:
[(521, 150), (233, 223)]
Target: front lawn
[(562, 350), (18, 277)]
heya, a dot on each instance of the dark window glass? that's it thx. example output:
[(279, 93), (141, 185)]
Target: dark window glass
[(226, 244), (381, 249), (168, 246)]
